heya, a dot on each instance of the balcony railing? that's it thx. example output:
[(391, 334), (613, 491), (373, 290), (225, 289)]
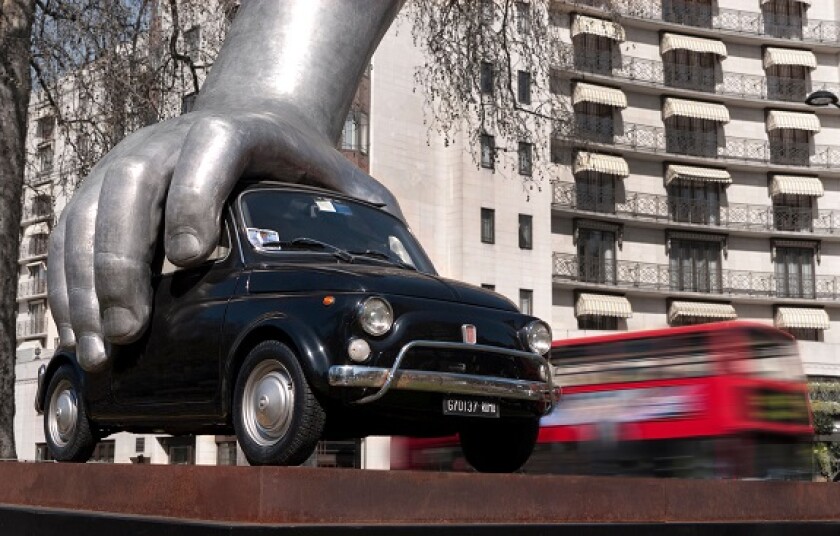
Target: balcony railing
[(668, 209), (649, 276), (672, 75), (37, 213), (32, 327), (731, 20), (651, 139), (32, 287)]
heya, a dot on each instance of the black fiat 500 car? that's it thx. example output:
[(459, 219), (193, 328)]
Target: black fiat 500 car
[(318, 316)]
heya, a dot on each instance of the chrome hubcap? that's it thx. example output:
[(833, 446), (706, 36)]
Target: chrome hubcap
[(268, 403), (63, 413)]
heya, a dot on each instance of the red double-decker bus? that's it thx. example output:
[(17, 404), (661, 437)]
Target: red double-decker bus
[(720, 400)]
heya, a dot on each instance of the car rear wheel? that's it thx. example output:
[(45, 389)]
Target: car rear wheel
[(69, 433), (499, 447), (278, 420)]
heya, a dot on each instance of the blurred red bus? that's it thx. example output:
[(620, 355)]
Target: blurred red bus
[(720, 400)]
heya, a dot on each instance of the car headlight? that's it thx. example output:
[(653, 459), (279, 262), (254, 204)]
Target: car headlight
[(538, 337), (376, 316)]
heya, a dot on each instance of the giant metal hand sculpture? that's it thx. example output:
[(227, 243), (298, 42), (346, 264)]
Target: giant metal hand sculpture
[(273, 105)]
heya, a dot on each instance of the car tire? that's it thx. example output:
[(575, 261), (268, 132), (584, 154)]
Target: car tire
[(277, 418), (499, 447), (70, 435)]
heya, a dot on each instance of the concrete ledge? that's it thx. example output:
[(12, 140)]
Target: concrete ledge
[(277, 496)]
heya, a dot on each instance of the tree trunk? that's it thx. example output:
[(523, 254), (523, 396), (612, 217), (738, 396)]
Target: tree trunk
[(15, 30)]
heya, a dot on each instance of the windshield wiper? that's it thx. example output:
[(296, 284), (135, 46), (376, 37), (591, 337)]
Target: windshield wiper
[(303, 242), (384, 256)]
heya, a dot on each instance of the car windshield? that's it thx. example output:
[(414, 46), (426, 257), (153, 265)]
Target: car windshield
[(281, 220)]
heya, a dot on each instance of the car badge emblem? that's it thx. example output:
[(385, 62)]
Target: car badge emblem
[(469, 334)]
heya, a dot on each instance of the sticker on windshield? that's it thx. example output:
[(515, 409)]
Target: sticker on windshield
[(325, 205), (260, 237)]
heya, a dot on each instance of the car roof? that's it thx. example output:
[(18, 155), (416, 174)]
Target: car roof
[(272, 184)]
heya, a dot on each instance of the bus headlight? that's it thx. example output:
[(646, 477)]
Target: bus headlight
[(538, 337), (376, 316)]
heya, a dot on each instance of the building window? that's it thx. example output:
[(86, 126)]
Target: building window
[(488, 286), (688, 12), (42, 453), (526, 158), (192, 42), (187, 103), (787, 82), (795, 272), (597, 322), (37, 317), (692, 136), (596, 256), (488, 225), (695, 265), (526, 231), (349, 137), (486, 11), (486, 78), (45, 158), (526, 301), (594, 122), (793, 212), (103, 452), (694, 202), (805, 334), (595, 192), (179, 450), (140, 445), (523, 18), (689, 69), (523, 87), (37, 245), (226, 451), (790, 146), (593, 53), (783, 18), (364, 133), (45, 128), (488, 151)]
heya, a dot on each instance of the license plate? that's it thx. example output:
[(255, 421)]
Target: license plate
[(470, 408)]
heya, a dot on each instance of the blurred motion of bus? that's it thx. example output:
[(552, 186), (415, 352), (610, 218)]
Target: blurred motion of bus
[(719, 400)]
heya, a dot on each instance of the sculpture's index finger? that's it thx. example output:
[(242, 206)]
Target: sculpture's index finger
[(213, 158)]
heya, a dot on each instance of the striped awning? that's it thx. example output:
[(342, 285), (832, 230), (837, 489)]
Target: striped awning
[(592, 26), (603, 305), (796, 185), (683, 309), (601, 163), (699, 174), (801, 317), (672, 41), (777, 119), (599, 94), (696, 109), (789, 56)]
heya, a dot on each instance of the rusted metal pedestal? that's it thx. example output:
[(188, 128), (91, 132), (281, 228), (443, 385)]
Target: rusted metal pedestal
[(125, 500)]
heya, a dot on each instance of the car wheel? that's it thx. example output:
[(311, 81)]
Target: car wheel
[(499, 447), (278, 420), (69, 433)]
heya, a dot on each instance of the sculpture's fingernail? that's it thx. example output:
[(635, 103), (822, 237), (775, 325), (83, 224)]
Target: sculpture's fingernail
[(90, 351), (183, 247), (119, 324)]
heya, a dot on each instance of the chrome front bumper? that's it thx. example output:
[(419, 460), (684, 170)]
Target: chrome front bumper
[(386, 379)]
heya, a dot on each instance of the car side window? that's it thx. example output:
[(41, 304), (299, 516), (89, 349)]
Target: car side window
[(220, 253)]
